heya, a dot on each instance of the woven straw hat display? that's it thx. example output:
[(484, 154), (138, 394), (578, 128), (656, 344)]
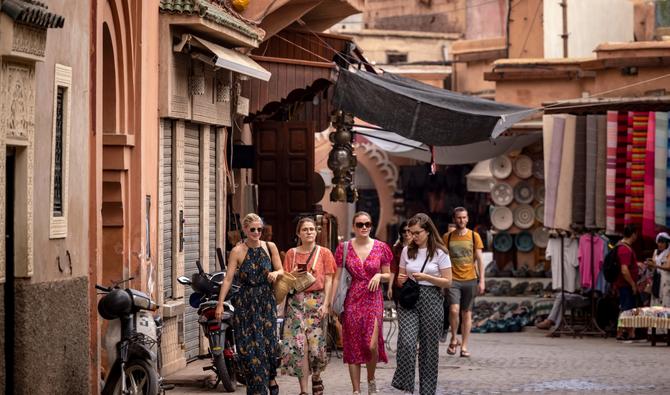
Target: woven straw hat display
[(502, 217), (502, 193), (540, 237), (501, 167), (523, 192), (503, 242), (523, 167), (524, 216)]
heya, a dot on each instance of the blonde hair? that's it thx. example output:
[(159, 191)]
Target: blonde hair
[(360, 214), (251, 218)]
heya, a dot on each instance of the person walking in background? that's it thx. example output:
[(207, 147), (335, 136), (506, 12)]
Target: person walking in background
[(660, 262), (426, 261), (304, 340), (465, 250), (368, 262), (404, 238), (256, 265), (626, 283)]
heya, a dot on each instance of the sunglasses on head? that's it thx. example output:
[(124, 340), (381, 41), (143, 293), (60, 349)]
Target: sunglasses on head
[(254, 230), (361, 225)]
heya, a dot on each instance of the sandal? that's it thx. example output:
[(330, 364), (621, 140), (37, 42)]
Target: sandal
[(317, 386), (451, 349), (465, 353)]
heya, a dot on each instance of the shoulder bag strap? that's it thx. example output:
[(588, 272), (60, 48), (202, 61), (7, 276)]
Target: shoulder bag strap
[(424, 262), (316, 257), (310, 256)]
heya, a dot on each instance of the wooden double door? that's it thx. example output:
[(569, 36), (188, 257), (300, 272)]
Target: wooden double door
[(284, 172)]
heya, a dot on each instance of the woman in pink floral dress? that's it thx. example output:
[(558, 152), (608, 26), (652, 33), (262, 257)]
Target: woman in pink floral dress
[(368, 262)]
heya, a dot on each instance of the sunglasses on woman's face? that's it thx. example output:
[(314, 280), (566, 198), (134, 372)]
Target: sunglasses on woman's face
[(254, 230), (361, 225)]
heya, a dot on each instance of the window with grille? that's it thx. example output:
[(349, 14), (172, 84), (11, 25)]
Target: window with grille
[(59, 152)]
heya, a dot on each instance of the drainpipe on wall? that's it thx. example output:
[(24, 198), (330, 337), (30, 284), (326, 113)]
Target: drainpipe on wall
[(507, 21), (564, 36)]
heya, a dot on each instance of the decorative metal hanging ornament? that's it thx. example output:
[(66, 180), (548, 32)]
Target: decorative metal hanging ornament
[(341, 159)]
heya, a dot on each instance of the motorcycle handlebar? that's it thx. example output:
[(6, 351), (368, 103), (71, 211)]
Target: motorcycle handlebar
[(197, 263), (101, 288)]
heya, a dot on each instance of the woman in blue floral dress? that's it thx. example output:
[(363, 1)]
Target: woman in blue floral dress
[(256, 265)]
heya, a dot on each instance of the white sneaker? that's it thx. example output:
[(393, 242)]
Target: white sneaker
[(372, 387)]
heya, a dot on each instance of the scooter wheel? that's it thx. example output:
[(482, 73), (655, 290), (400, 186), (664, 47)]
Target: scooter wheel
[(224, 376)]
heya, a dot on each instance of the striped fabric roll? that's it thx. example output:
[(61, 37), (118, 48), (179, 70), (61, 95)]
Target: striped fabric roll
[(610, 175), (563, 214), (601, 168), (628, 175), (648, 226), (622, 169), (637, 155), (579, 176), (554, 126), (667, 200), (661, 168), (590, 186)]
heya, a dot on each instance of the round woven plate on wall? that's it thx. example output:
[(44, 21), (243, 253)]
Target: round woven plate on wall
[(539, 213), (539, 194), (538, 169), (524, 241), (523, 167), (523, 192), (503, 242), (524, 216), (502, 193), (541, 237), (501, 167), (502, 218)]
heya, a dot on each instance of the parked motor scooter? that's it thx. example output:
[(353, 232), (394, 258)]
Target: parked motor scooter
[(132, 341), (222, 347)]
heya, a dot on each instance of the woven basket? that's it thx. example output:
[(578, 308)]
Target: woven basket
[(283, 285)]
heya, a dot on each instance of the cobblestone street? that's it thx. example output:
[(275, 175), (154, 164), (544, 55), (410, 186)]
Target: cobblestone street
[(505, 363)]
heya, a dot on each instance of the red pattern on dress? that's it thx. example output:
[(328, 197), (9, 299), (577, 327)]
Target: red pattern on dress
[(361, 306)]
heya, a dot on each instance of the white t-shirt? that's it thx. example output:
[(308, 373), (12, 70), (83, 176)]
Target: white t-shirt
[(439, 261)]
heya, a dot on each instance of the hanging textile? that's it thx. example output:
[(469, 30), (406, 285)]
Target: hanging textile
[(628, 141), (610, 187), (569, 261), (553, 130), (579, 175), (661, 167), (648, 226), (590, 184), (638, 149), (601, 167), (590, 269), (563, 214)]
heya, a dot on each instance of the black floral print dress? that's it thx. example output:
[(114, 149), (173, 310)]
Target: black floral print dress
[(255, 322)]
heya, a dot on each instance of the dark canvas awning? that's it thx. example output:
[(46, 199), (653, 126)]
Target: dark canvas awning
[(422, 112)]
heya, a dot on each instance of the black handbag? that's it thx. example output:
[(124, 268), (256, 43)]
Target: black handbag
[(409, 292), (656, 284)]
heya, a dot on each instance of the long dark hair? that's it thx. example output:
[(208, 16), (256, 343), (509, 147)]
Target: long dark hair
[(434, 239), (401, 234)]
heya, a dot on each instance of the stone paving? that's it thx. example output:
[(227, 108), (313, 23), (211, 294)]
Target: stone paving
[(507, 363)]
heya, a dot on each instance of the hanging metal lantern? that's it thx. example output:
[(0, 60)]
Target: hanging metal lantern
[(341, 159)]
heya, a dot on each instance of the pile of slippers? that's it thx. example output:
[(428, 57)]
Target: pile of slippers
[(501, 316), (527, 288), (523, 271)]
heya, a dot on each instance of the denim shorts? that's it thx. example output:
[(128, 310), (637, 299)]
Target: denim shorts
[(627, 300)]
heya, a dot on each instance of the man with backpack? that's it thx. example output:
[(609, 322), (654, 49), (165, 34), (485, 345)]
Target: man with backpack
[(465, 250), (626, 281)]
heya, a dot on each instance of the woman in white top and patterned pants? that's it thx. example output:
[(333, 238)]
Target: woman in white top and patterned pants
[(423, 322)]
